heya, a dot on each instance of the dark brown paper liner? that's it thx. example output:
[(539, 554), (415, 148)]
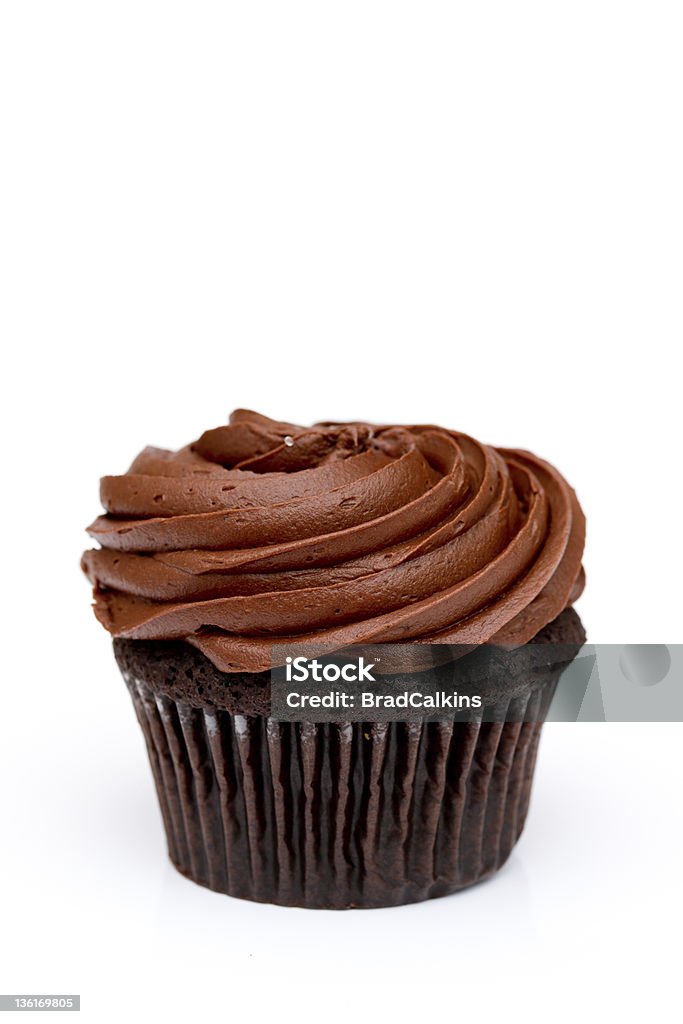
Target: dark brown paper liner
[(338, 815)]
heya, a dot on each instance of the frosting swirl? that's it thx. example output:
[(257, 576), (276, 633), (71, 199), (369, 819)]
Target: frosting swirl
[(342, 533)]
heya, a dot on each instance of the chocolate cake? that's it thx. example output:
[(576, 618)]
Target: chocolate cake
[(264, 533)]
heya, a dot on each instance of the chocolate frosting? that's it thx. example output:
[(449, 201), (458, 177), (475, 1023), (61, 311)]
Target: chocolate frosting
[(263, 532)]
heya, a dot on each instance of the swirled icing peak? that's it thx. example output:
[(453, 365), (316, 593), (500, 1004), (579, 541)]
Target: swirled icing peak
[(262, 532)]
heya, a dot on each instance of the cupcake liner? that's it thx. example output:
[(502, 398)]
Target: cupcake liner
[(338, 815)]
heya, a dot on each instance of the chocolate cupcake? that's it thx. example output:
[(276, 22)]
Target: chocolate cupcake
[(262, 534)]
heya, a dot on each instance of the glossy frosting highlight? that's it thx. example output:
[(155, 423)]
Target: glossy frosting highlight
[(338, 534)]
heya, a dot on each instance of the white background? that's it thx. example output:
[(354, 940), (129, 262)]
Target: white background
[(467, 213)]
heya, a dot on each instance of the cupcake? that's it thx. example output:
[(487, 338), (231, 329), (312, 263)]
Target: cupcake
[(261, 534)]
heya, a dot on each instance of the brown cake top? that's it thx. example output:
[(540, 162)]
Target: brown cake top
[(262, 532)]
